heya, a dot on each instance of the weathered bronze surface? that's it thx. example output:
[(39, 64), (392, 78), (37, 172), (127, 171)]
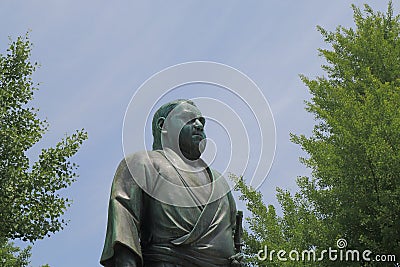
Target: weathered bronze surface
[(167, 207)]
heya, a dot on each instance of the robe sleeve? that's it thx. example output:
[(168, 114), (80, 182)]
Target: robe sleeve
[(124, 212)]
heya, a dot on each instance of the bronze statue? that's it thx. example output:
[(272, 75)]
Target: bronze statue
[(167, 207)]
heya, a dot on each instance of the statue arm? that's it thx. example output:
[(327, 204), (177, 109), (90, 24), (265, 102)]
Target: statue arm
[(122, 245)]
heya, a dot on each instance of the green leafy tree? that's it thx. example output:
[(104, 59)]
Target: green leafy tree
[(30, 203), (354, 190), (354, 150), (12, 256), (294, 230)]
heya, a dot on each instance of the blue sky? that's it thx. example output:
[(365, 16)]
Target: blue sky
[(95, 54)]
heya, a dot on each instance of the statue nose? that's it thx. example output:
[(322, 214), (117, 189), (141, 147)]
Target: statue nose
[(198, 125)]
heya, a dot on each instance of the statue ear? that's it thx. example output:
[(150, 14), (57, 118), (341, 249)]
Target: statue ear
[(160, 124)]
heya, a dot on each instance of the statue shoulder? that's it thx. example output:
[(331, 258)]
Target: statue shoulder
[(143, 158), (140, 166)]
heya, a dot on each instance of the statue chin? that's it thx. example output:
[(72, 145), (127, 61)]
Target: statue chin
[(193, 155), (202, 145), (194, 151)]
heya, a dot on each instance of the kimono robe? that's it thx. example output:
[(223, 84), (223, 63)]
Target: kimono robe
[(156, 214)]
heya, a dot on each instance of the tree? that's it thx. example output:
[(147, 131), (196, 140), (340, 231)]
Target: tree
[(30, 203), (354, 189), (12, 256), (354, 151), (294, 230)]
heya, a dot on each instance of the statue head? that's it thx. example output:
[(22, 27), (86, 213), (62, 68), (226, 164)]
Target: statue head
[(179, 125)]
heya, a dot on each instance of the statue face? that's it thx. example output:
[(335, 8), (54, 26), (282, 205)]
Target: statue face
[(185, 130)]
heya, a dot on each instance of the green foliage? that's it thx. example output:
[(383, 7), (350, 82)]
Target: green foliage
[(354, 151), (354, 189), (11, 256), (264, 225), (295, 230), (30, 203)]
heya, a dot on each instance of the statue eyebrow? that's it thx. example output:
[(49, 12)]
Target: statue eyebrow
[(200, 118), (190, 116)]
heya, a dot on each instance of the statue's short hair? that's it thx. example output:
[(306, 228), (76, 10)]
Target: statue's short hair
[(163, 111)]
